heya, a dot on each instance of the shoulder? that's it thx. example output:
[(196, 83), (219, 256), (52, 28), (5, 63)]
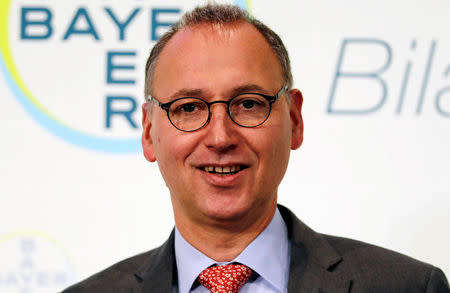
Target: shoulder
[(119, 277), (367, 268), (372, 266), (153, 268), (360, 252)]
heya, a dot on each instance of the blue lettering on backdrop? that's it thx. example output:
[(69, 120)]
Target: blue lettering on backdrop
[(26, 22), (156, 23), (405, 80), (426, 77), (30, 275), (110, 111), (37, 22), (374, 75), (122, 25), (74, 30), (82, 24), (438, 102), (111, 67)]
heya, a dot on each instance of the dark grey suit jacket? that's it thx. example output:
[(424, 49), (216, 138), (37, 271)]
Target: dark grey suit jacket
[(319, 264)]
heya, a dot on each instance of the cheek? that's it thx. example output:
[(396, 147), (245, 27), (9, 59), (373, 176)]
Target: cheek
[(275, 140), (280, 149), (172, 152), (169, 159), (273, 149), (168, 141)]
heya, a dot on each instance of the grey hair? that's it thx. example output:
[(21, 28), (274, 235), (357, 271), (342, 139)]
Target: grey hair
[(220, 14)]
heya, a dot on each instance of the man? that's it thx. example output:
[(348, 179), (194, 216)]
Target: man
[(220, 119)]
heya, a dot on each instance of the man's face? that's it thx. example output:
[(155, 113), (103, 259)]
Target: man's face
[(217, 63)]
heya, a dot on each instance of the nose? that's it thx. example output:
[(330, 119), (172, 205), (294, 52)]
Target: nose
[(221, 133)]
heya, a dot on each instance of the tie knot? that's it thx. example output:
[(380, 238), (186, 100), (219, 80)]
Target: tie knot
[(225, 279)]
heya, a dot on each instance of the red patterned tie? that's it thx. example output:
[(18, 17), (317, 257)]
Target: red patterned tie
[(225, 279)]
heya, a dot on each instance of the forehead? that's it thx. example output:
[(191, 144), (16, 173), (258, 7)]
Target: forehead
[(216, 57)]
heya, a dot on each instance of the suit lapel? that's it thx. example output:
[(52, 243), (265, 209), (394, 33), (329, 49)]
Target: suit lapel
[(313, 260), (159, 270)]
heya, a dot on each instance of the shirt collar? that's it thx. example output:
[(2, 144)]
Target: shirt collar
[(268, 255)]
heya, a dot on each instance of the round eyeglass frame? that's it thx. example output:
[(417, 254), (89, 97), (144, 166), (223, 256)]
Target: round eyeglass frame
[(270, 99)]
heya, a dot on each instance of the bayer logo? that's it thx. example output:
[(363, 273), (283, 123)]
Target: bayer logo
[(33, 263), (78, 70)]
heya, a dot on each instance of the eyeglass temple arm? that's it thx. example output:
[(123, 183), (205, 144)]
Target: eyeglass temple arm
[(283, 89), (164, 106)]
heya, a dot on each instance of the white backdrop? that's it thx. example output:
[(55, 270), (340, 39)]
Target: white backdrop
[(77, 195)]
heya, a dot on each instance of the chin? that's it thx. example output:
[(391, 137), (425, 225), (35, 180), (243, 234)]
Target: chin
[(226, 212)]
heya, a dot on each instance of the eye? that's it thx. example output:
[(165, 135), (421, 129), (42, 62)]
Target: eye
[(190, 107), (248, 104)]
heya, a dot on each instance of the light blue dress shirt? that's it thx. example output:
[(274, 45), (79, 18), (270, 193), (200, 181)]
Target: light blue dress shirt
[(268, 255)]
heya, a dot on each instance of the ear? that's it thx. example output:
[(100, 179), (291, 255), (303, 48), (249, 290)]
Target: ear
[(296, 118), (147, 143)]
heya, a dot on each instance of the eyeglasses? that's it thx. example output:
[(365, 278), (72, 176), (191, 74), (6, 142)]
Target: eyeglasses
[(246, 110)]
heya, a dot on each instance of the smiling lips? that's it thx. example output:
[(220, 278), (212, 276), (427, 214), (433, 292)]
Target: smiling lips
[(223, 170)]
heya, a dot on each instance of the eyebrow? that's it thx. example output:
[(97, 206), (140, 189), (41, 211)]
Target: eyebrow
[(247, 88), (194, 92), (187, 92)]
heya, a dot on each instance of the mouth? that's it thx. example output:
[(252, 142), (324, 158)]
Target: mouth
[(223, 170)]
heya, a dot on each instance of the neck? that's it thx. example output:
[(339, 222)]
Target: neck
[(223, 240)]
